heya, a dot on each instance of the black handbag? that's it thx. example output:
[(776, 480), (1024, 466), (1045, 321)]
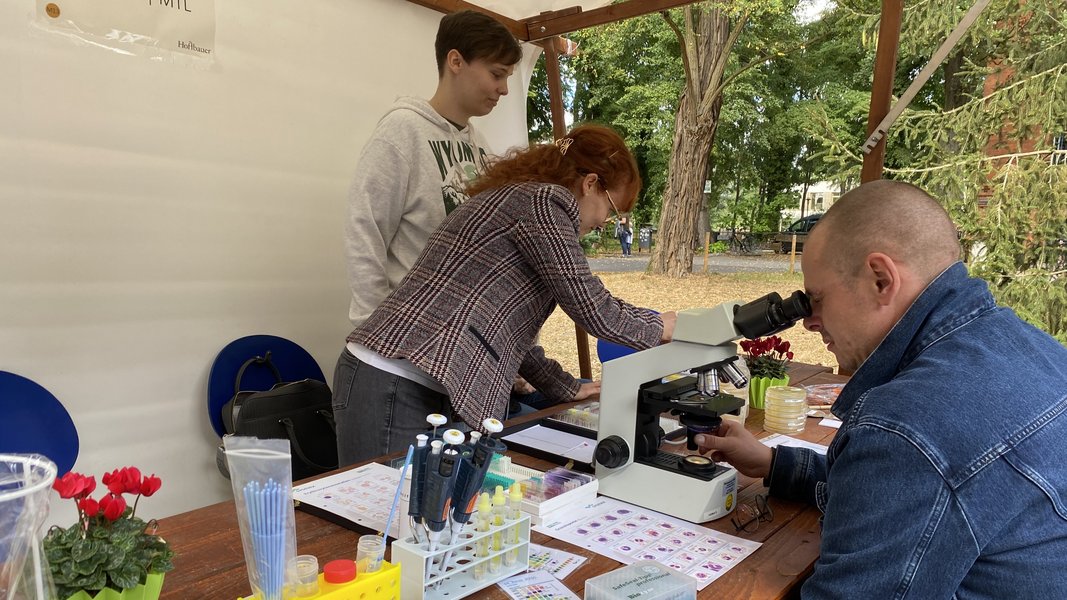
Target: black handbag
[(300, 411)]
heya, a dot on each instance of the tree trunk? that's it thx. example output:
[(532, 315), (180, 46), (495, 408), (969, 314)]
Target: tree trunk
[(673, 254), (694, 134)]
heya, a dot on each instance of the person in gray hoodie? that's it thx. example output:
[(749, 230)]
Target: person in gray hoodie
[(421, 156)]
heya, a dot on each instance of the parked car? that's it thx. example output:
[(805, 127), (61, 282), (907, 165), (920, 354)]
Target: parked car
[(801, 227)]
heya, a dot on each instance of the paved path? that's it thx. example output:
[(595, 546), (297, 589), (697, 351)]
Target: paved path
[(717, 263)]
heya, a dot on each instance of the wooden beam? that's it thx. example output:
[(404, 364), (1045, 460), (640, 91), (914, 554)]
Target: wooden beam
[(885, 66), (517, 28), (559, 129), (566, 21)]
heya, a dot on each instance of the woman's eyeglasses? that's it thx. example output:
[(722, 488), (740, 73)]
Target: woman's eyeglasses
[(750, 514), (614, 208)]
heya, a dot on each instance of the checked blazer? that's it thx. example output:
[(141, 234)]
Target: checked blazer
[(469, 311)]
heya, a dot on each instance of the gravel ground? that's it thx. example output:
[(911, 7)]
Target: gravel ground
[(717, 263), (696, 290)]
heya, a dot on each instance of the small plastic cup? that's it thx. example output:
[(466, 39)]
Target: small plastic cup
[(370, 551), (304, 574)]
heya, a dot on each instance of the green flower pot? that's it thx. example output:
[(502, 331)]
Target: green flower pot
[(757, 389), (149, 590)]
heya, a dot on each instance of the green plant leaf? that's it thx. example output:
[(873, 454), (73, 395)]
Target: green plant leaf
[(128, 576)]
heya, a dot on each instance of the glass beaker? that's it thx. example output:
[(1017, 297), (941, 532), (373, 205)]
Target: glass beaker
[(25, 483)]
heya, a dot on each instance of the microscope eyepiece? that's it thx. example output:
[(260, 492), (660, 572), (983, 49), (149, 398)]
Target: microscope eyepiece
[(770, 314)]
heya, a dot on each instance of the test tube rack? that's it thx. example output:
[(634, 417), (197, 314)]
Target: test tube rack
[(383, 584), (422, 583)]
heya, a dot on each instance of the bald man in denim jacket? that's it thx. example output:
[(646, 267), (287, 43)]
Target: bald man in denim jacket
[(948, 477)]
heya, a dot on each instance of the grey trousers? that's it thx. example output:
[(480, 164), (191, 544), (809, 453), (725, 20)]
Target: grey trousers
[(377, 412)]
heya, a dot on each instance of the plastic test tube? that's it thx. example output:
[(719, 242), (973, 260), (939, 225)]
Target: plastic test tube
[(499, 510), (513, 515), (481, 524)]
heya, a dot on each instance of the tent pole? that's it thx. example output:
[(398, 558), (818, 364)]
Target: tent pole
[(885, 64)]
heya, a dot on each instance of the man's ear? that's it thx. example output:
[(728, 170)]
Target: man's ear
[(453, 60), (886, 277)]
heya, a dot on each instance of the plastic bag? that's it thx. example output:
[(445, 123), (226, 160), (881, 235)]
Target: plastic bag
[(261, 474)]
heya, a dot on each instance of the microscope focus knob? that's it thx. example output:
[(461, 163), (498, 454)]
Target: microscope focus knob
[(612, 452)]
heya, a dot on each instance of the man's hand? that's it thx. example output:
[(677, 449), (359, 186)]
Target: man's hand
[(734, 444), (669, 320), (588, 391)]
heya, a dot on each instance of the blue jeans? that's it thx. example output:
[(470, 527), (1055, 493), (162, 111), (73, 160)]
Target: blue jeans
[(377, 412)]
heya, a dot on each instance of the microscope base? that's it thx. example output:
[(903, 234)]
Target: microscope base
[(688, 498)]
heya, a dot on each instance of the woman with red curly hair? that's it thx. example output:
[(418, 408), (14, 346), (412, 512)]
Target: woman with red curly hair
[(464, 322)]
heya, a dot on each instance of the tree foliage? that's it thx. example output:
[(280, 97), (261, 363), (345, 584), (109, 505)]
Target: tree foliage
[(774, 105), (986, 137)]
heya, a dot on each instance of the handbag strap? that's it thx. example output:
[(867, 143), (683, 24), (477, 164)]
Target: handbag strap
[(290, 430), (328, 415), (258, 360)]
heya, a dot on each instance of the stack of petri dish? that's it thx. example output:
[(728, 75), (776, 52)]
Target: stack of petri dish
[(786, 409)]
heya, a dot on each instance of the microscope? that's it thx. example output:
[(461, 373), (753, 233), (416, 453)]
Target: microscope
[(637, 388)]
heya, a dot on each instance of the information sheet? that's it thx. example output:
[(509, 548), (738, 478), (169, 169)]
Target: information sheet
[(362, 495), (629, 533), (536, 585), (557, 562)]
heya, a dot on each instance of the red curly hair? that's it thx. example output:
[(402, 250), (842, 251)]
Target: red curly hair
[(592, 149)]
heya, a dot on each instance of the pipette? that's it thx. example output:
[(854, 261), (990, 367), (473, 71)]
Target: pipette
[(418, 480), (471, 475), (441, 471), (469, 481), (436, 420)]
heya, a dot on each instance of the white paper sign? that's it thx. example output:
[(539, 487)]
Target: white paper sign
[(182, 26)]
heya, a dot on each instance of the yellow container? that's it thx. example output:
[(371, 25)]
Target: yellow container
[(380, 585)]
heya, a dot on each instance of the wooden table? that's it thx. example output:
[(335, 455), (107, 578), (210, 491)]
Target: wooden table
[(210, 562)]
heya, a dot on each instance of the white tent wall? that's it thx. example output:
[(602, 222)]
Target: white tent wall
[(152, 212)]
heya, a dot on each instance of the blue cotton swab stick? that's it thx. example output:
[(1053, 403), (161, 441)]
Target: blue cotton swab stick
[(396, 497)]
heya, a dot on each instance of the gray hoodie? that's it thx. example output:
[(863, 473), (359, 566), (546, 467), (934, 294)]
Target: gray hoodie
[(412, 172)]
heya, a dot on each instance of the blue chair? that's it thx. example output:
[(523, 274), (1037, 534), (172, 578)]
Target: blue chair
[(33, 421), (293, 364), (606, 350)]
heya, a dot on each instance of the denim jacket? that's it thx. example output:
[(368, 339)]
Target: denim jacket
[(948, 477)]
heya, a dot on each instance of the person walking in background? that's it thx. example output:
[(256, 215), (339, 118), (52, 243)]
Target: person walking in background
[(626, 235), (421, 156), (464, 322), (946, 479)]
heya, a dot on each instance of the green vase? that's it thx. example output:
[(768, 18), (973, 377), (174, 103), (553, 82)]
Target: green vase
[(757, 389), (149, 590)]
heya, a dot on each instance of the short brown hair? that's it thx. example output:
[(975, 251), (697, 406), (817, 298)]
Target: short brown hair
[(475, 36), (590, 149), (894, 218)]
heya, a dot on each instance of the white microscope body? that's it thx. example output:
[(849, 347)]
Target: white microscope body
[(629, 465)]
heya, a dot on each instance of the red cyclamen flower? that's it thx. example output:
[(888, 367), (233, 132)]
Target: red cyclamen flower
[(150, 484), (74, 485), (112, 505), (89, 506)]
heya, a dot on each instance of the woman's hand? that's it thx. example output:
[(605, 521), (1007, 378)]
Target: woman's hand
[(669, 320), (588, 391)]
